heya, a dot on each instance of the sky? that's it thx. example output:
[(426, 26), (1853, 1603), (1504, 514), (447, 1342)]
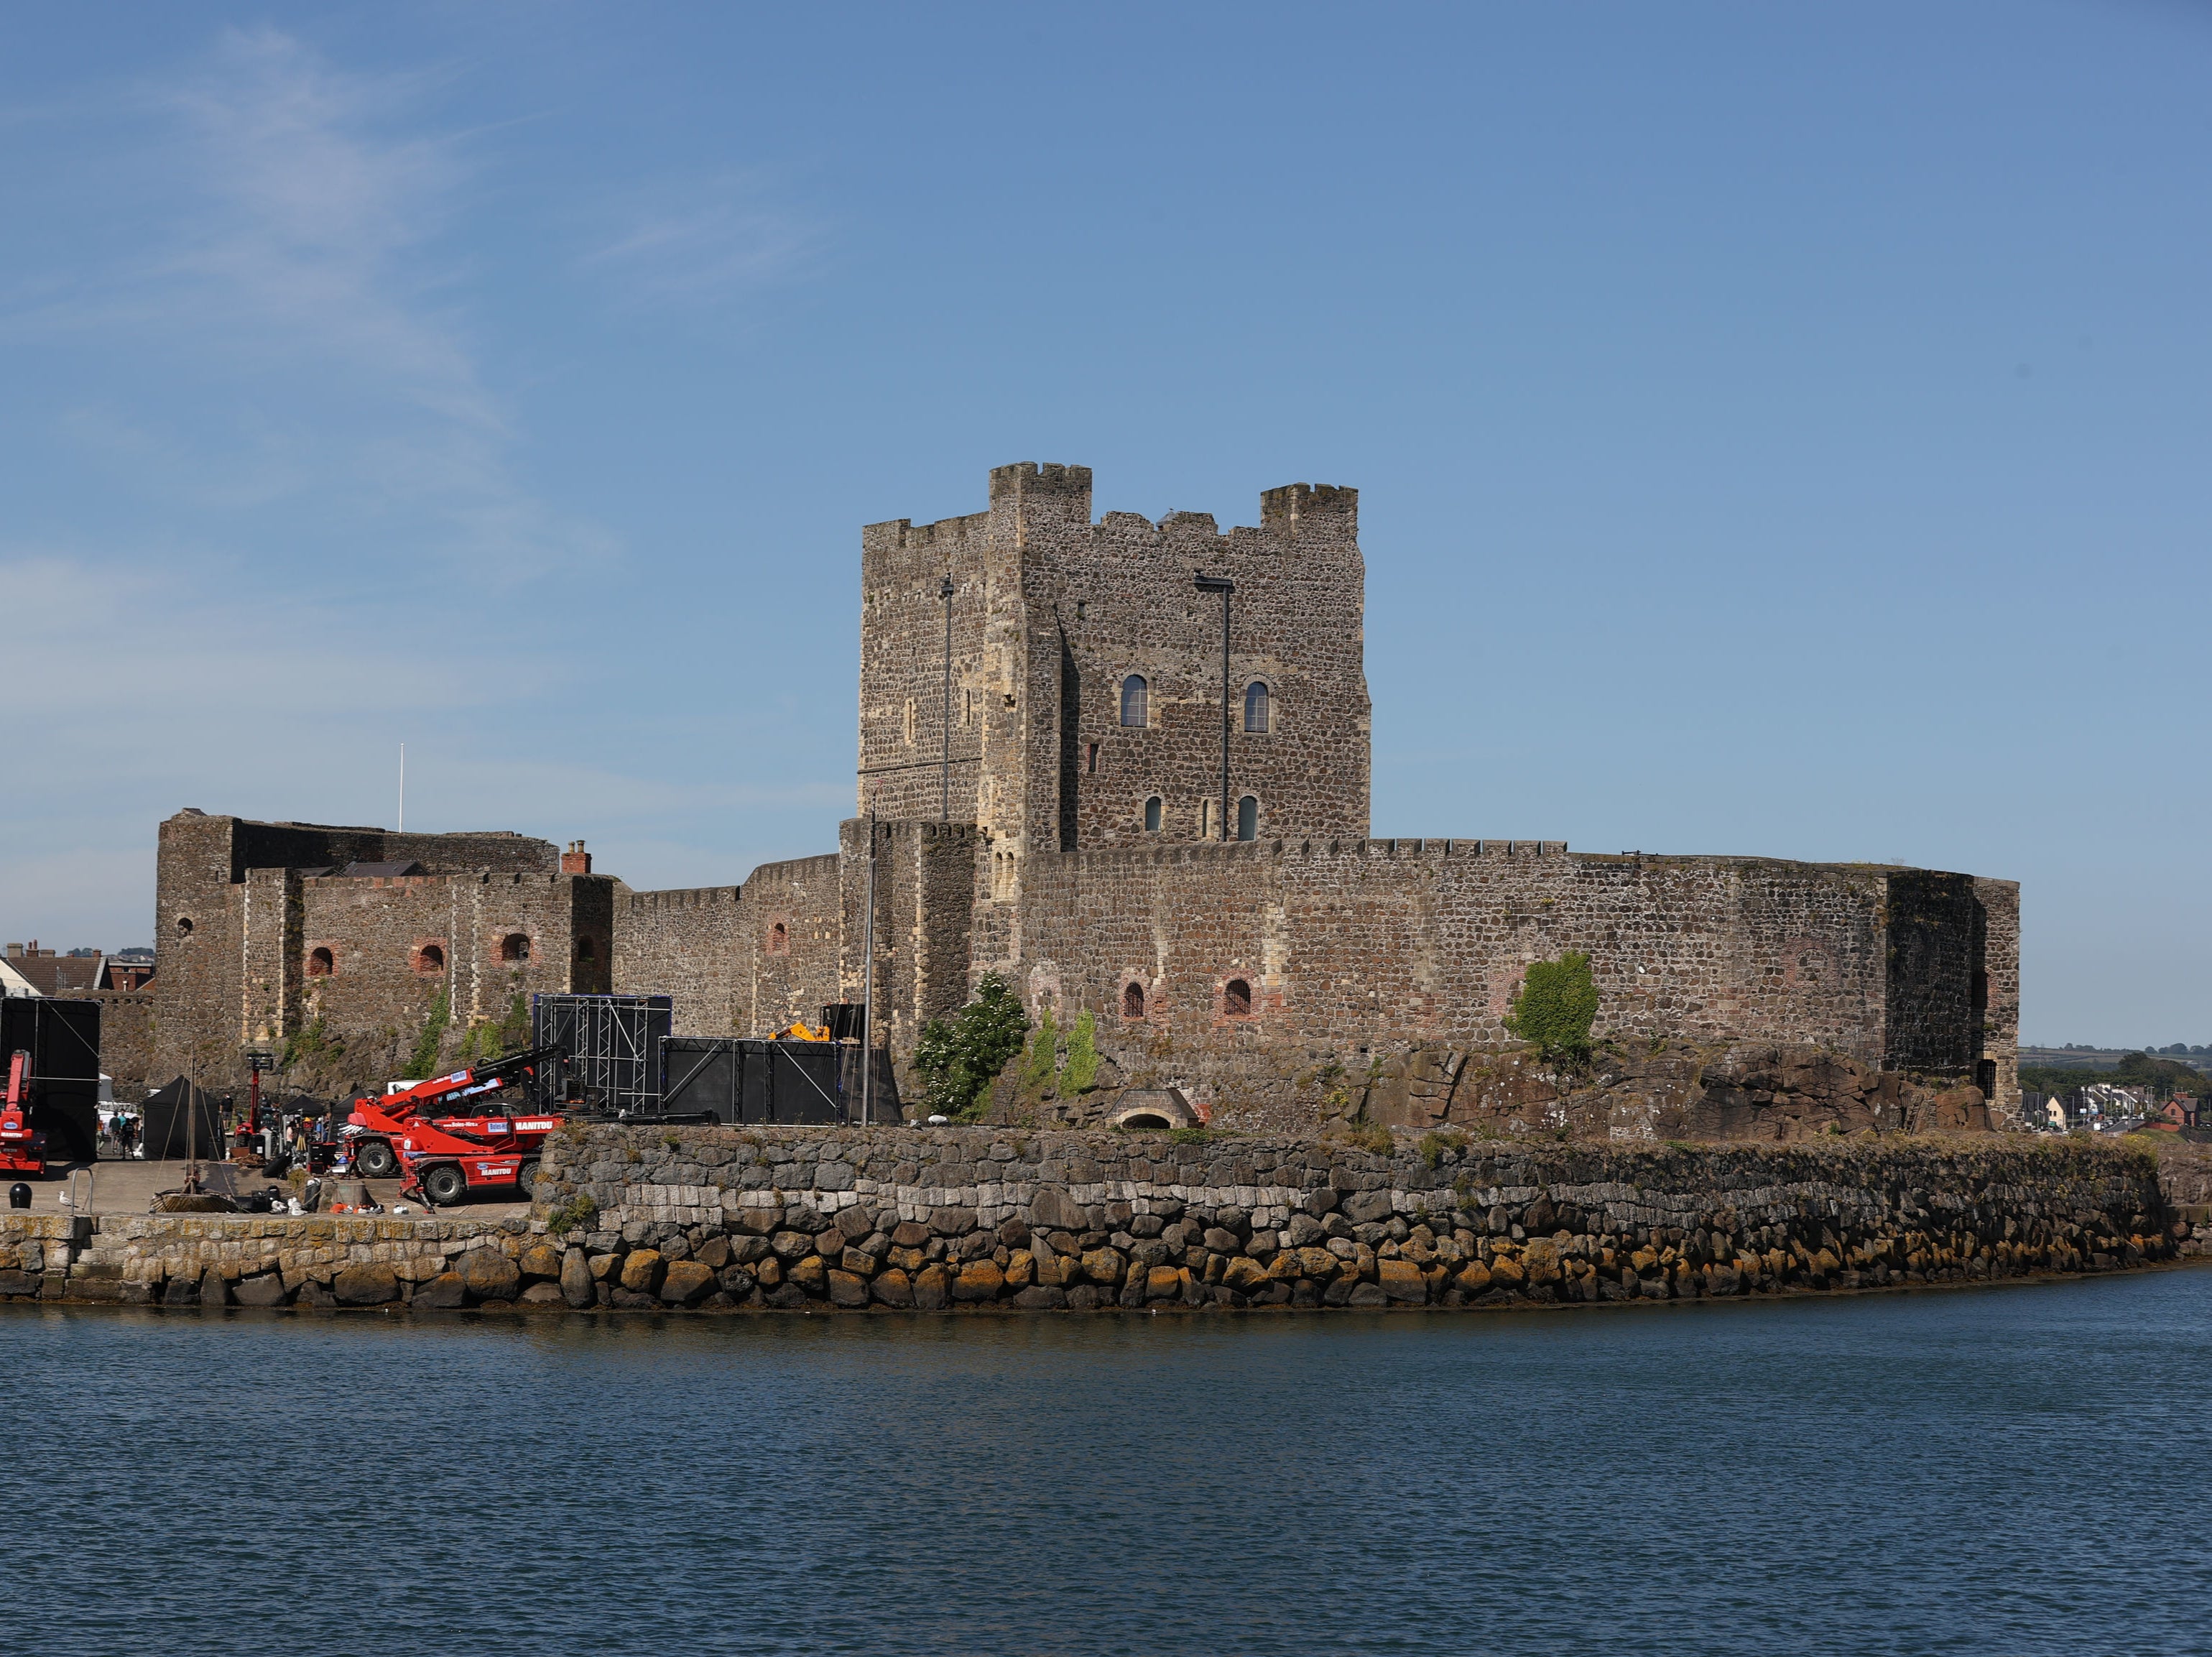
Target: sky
[(1779, 431)]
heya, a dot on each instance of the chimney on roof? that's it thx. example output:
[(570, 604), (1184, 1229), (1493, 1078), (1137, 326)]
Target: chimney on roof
[(575, 860), (14, 952)]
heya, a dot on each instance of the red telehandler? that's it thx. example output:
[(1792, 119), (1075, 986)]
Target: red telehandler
[(447, 1156), (22, 1147)]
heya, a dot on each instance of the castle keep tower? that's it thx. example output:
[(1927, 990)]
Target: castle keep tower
[(1080, 678)]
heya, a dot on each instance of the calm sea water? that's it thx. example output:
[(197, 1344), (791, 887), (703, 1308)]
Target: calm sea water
[(2011, 1470)]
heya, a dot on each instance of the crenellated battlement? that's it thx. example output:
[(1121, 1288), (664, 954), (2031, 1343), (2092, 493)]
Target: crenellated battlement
[(1283, 511), (1028, 483), (705, 897)]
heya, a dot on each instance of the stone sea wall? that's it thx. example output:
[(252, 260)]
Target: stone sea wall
[(800, 1219), (937, 1217)]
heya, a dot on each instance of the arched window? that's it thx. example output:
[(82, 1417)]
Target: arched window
[(1237, 999), (1255, 708), (319, 963), (779, 939), (1152, 815), (184, 926), (1133, 1001), (430, 958), (515, 948), (1248, 818), (1135, 700)]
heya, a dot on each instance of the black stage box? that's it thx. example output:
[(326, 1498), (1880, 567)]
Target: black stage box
[(62, 1038), (751, 1081)]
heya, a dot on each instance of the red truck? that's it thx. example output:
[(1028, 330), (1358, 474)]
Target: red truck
[(447, 1157)]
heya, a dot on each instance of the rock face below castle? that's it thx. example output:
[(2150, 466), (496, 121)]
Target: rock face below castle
[(1040, 738)]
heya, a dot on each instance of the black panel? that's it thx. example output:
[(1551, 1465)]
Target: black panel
[(755, 1081)]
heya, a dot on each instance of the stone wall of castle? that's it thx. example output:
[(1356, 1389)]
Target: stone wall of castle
[(1205, 963), (692, 946), (790, 915), (254, 952)]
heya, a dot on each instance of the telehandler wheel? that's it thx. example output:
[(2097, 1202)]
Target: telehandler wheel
[(376, 1160), (525, 1178), (445, 1184)]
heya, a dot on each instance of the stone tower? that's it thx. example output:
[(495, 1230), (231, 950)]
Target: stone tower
[(1086, 682)]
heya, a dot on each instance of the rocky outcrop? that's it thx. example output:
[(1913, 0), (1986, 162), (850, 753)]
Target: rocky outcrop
[(1640, 1093)]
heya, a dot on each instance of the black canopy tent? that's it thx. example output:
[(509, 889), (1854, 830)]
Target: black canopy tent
[(164, 1122)]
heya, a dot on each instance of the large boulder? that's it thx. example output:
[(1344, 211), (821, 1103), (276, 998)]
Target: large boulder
[(267, 1289), (1402, 1280), (489, 1274), (576, 1279), (1367, 1207), (892, 1288), (441, 1293), (686, 1281), (640, 1271), (933, 1289), (366, 1285), (541, 1262), (979, 1280), (1244, 1276), (847, 1288), (1052, 1210)]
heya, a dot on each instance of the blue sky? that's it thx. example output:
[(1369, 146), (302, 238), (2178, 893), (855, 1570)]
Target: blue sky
[(1778, 431)]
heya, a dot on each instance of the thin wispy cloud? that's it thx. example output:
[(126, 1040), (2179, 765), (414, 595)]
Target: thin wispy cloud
[(294, 279), (706, 243)]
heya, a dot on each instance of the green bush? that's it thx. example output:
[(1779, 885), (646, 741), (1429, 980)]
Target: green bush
[(1434, 1145), (1082, 1072), (1369, 1137), (1557, 1005), (959, 1056), (577, 1214)]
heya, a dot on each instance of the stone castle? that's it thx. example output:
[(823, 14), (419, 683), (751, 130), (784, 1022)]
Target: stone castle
[(1040, 763)]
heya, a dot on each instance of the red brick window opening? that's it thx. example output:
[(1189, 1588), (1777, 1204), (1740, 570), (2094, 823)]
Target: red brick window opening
[(1255, 708), (1237, 999), (1090, 758), (430, 958), (514, 947), (320, 964), (586, 950), (1979, 992), (1136, 700), (1132, 1001), (779, 939), (1152, 815)]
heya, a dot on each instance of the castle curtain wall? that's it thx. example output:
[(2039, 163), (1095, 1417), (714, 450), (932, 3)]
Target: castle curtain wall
[(1352, 948)]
